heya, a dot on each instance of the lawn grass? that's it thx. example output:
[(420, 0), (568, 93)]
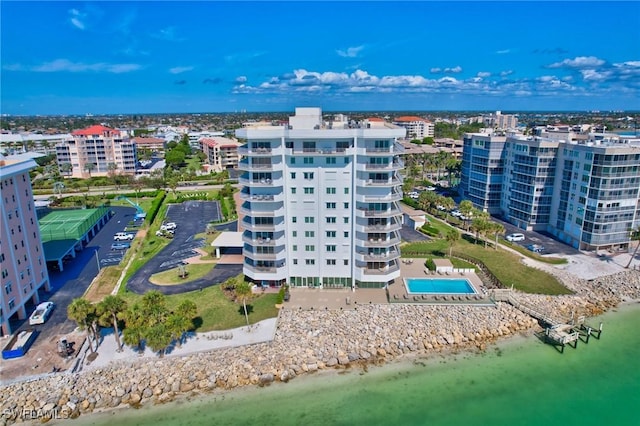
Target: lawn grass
[(216, 311), (505, 265), (171, 276)]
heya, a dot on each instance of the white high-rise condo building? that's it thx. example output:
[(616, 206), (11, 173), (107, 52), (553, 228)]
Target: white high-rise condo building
[(321, 202), (585, 191)]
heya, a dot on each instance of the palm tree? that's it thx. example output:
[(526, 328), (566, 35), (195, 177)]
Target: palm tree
[(184, 316), (110, 309), (466, 207), (158, 337), (452, 237), (66, 168), (243, 291), (154, 307), (496, 229), (635, 234), (84, 314), (133, 333), (89, 167)]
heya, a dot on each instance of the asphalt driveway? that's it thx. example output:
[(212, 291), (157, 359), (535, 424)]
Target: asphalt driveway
[(191, 218)]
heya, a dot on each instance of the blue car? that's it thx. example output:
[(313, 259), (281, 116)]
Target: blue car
[(120, 246)]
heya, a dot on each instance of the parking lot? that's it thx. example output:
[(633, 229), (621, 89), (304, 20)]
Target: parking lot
[(191, 218), (537, 239)]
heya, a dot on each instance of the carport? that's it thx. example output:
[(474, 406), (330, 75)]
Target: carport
[(64, 232), (229, 242)]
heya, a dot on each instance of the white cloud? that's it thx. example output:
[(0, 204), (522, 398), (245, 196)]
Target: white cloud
[(167, 34), (484, 74), (435, 70), (506, 73), (179, 70), (64, 65), (502, 52), (350, 52), (579, 62), (454, 70), (77, 18), (241, 79)]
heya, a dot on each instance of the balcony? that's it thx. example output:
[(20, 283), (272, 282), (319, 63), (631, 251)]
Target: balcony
[(378, 257), (389, 227), (249, 211), (394, 196), (260, 256), (259, 241), (258, 226), (379, 213), (396, 165), (245, 165), (245, 150), (379, 242), (388, 269)]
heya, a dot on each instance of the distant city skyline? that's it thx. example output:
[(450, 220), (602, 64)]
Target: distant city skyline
[(172, 57)]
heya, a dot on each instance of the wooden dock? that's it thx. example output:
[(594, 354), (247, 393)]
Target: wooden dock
[(556, 332)]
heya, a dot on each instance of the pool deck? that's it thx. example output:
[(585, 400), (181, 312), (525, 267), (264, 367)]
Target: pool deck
[(343, 299), (414, 268)]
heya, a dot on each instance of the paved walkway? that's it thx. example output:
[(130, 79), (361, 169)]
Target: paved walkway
[(263, 331)]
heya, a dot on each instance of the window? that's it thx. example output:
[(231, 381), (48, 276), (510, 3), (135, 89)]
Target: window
[(309, 234), (307, 160), (293, 190), (331, 205), (331, 160), (308, 175), (310, 261), (293, 175), (7, 288), (331, 262), (346, 205), (331, 234), (294, 219), (309, 219), (331, 190), (308, 190), (346, 190), (346, 160), (331, 219), (295, 261), (10, 216), (293, 160), (345, 219), (346, 234), (294, 247), (346, 262), (12, 304), (294, 233), (309, 247), (331, 248)]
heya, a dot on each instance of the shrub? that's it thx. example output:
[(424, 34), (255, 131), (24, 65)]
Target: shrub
[(430, 264)]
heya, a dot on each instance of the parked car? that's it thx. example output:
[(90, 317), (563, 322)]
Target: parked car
[(123, 236), (515, 237), (170, 226), (41, 314), (535, 248), (120, 246)]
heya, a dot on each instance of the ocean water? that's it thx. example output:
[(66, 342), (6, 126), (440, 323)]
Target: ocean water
[(517, 382)]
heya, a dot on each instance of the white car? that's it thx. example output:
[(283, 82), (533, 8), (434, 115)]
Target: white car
[(41, 314), (515, 237), (122, 236), (168, 226)]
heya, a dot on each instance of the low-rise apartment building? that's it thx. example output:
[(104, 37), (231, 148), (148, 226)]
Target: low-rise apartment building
[(417, 128), (92, 151), (221, 153)]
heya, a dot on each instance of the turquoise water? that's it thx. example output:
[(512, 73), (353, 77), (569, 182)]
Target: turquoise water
[(439, 285), (519, 382)]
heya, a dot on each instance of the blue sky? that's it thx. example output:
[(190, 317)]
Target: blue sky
[(152, 57)]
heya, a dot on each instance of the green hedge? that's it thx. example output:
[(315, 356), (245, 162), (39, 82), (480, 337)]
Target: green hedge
[(155, 206)]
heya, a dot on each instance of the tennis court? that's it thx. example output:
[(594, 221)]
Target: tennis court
[(69, 224)]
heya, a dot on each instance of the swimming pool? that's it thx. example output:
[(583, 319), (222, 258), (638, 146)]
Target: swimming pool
[(439, 286)]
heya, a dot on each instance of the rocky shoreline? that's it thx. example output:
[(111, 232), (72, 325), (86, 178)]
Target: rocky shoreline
[(306, 341)]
